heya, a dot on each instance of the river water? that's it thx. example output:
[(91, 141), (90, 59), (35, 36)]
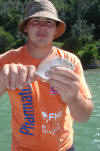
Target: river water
[(87, 135)]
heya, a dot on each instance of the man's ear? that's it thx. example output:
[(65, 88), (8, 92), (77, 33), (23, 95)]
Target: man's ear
[(55, 33), (25, 29)]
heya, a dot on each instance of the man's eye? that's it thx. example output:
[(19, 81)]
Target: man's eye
[(35, 21), (49, 22)]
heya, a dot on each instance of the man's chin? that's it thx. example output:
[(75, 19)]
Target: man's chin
[(43, 44)]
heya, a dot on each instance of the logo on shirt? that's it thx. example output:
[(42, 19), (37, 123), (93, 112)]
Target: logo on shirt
[(53, 91), (51, 117), (28, 110)]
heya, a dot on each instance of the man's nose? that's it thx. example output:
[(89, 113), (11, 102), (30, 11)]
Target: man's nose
[(43, 24)]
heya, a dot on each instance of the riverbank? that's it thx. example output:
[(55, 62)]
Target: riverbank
[(94, 65)]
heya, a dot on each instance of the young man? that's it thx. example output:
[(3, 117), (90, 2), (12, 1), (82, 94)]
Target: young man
[(41, 121)]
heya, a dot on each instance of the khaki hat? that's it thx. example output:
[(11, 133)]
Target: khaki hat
[(42, 8)]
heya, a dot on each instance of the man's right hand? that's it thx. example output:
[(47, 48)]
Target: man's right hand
[(14, 76)]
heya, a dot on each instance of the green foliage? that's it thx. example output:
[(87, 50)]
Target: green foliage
[(6, 40), (97, 43), (58, 44), (88, 54), (19, 42), (82, 18), (62, 8)]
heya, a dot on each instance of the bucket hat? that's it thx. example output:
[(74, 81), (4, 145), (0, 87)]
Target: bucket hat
[(42, 8)]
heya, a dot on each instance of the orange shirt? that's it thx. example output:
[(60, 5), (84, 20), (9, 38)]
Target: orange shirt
[(40, 120)]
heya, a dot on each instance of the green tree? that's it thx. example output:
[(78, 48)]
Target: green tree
[(82, 18), (88, 55), (6, 40)]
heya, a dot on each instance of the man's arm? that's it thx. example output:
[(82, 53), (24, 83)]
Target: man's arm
[(67, 84), (81, 108)]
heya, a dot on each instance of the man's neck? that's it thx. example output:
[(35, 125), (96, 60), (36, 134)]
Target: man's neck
[(39, 53)]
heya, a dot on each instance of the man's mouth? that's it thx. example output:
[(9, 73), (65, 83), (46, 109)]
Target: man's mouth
[(42, 35)]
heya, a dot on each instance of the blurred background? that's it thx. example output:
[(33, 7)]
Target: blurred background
[(82, 37)]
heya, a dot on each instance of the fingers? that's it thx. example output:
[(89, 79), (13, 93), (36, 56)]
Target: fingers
[(30, 75), (65, 82), (65, 71), (21, 76), (13, 72), (4, 76), (68, 90), (16, 75), (62, 74)]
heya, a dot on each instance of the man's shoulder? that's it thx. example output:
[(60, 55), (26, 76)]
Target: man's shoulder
[(66, 54), (12, 51), (10, 55)]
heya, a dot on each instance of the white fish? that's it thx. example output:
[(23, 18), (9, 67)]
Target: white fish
[(50, 62)]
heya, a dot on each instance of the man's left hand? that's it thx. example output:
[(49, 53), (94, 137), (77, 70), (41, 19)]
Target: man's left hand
[(66, 82)]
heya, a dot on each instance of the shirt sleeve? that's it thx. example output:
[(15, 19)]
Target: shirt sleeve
[(83, 85), (6, 58), (79, 71)]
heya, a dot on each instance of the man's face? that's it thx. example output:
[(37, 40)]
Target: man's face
[(41, 31)]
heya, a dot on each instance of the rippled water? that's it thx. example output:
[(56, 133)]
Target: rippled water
[(87, 135), (5, 131)]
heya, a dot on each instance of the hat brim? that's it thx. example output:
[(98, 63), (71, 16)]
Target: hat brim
[(60, 27)]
